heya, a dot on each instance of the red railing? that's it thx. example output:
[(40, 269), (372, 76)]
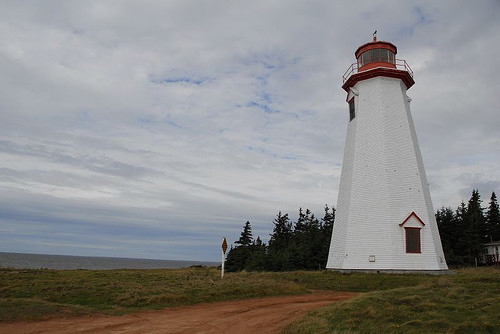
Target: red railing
[(401, 65)]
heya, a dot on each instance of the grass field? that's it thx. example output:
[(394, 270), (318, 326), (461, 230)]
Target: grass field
[(468, 302), (464, 303)]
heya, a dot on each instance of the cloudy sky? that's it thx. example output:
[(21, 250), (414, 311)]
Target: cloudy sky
[(151, 129)]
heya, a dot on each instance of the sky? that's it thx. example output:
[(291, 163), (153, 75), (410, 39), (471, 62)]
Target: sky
[(151, 129)]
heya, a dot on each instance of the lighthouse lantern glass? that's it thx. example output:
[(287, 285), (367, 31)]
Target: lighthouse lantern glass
[(376, 55)]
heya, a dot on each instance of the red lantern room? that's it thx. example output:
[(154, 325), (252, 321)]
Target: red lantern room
[(376, 54), (377, 58)]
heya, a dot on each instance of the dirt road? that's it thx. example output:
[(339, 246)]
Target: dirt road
[(262, 315)]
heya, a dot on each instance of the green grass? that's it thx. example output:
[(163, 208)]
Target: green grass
[(39, 294), (464, 303), (468, 302), (353, 282)]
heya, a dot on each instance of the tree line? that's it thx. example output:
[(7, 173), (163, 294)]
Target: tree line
[(465, 230), (304, 244)]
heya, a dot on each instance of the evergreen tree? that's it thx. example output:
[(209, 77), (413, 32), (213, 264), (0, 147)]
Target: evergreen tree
[(313, 246), (278, 256), (475, 228), (238, 257), (296, 246), (493, 219), (305, 248), (300, 224), (449, 233), (464, 232), (462, 241), (258, 259), (282, 232), (327, 221), (326, 229), (246, 237), (312, 224)]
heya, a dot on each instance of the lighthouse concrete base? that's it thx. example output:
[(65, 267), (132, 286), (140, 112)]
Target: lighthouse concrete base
[(393, 271)]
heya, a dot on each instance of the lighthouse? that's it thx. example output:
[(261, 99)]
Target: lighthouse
[(384, 220)]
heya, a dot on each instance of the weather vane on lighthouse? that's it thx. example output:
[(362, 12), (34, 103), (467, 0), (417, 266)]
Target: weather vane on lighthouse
[(385, 220)]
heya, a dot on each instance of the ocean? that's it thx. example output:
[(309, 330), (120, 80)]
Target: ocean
[(67, 262)]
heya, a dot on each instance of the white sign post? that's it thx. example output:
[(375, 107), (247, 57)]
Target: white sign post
[(224, 248)]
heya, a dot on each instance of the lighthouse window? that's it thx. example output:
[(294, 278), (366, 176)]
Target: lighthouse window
[(352, 112), (384, 55), (391, 57), (376, 55), (365, 58), (412, 240)]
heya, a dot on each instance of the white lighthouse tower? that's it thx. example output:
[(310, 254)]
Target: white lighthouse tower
[(384, 220)]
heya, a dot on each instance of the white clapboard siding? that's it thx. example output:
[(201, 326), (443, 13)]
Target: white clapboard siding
[(382, 183)]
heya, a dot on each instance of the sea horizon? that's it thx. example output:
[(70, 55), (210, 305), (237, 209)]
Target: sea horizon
[(72, 262)]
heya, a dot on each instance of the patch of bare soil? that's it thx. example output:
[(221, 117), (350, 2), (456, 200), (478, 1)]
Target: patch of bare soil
[(261, 315)]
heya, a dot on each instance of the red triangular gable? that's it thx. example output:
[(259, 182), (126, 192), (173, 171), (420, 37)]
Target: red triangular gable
[(413, 214)]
